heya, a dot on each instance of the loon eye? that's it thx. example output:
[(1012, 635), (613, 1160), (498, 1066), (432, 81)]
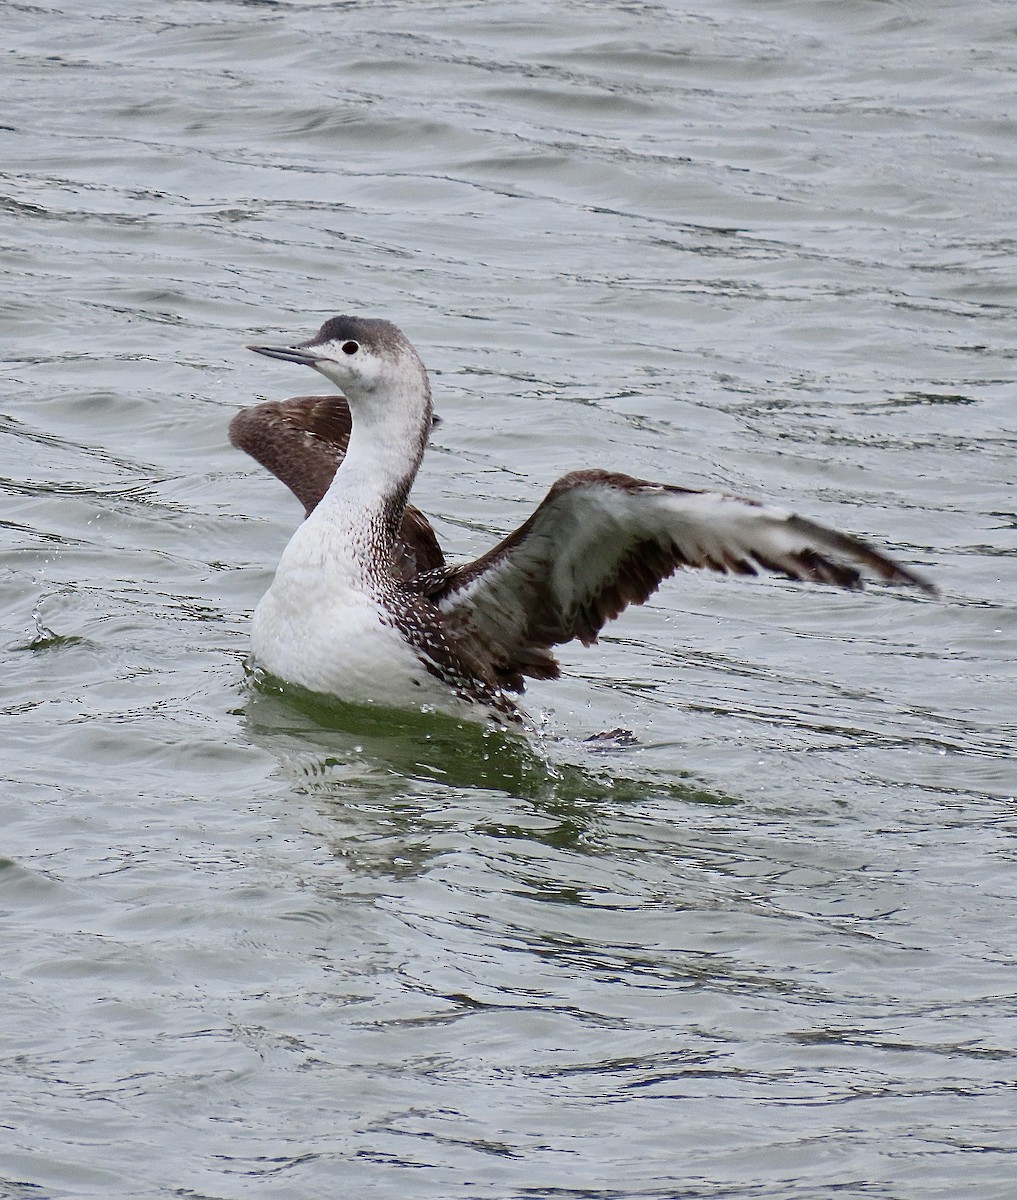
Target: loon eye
[(350, 347)]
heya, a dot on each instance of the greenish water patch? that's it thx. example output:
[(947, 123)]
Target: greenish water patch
[(338, 743), (46, 639)]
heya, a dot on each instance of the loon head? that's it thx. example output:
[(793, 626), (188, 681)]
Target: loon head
[(362, 356)]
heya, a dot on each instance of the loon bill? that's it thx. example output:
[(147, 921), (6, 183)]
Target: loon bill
[(363, 606)]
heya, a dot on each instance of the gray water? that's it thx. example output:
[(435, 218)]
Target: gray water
[(252, 947)]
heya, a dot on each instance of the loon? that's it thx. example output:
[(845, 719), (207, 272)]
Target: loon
[(364, 607)]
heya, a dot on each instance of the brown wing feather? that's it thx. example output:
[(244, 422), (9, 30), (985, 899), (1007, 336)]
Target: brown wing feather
[(600, 542), (302, 441)]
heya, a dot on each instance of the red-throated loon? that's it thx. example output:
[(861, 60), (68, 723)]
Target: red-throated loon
[(363, 606)]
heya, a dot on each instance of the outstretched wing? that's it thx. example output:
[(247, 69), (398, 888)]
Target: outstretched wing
[(601, 541), (302, 441)]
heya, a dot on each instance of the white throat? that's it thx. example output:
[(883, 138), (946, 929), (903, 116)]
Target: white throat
[(391, 420)]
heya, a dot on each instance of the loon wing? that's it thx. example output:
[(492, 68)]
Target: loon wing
[(302, 441), (601, 541)]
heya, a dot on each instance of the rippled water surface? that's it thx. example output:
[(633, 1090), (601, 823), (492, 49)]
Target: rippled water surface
[(253, 947)]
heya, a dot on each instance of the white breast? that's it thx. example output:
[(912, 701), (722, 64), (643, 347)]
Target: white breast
[(320, 626)]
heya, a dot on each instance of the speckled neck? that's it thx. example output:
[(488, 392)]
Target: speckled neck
[(386, 446)]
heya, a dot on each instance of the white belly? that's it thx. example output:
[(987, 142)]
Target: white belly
[(346, 649), (315, 629), (321, 626)]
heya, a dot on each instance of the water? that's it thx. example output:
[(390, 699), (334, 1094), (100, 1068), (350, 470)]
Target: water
[(251, 947)]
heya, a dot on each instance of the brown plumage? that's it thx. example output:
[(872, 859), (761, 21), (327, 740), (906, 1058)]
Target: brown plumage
[(601, 541)]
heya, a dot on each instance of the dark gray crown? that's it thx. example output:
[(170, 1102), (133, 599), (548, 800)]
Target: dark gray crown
[(376, 334)]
